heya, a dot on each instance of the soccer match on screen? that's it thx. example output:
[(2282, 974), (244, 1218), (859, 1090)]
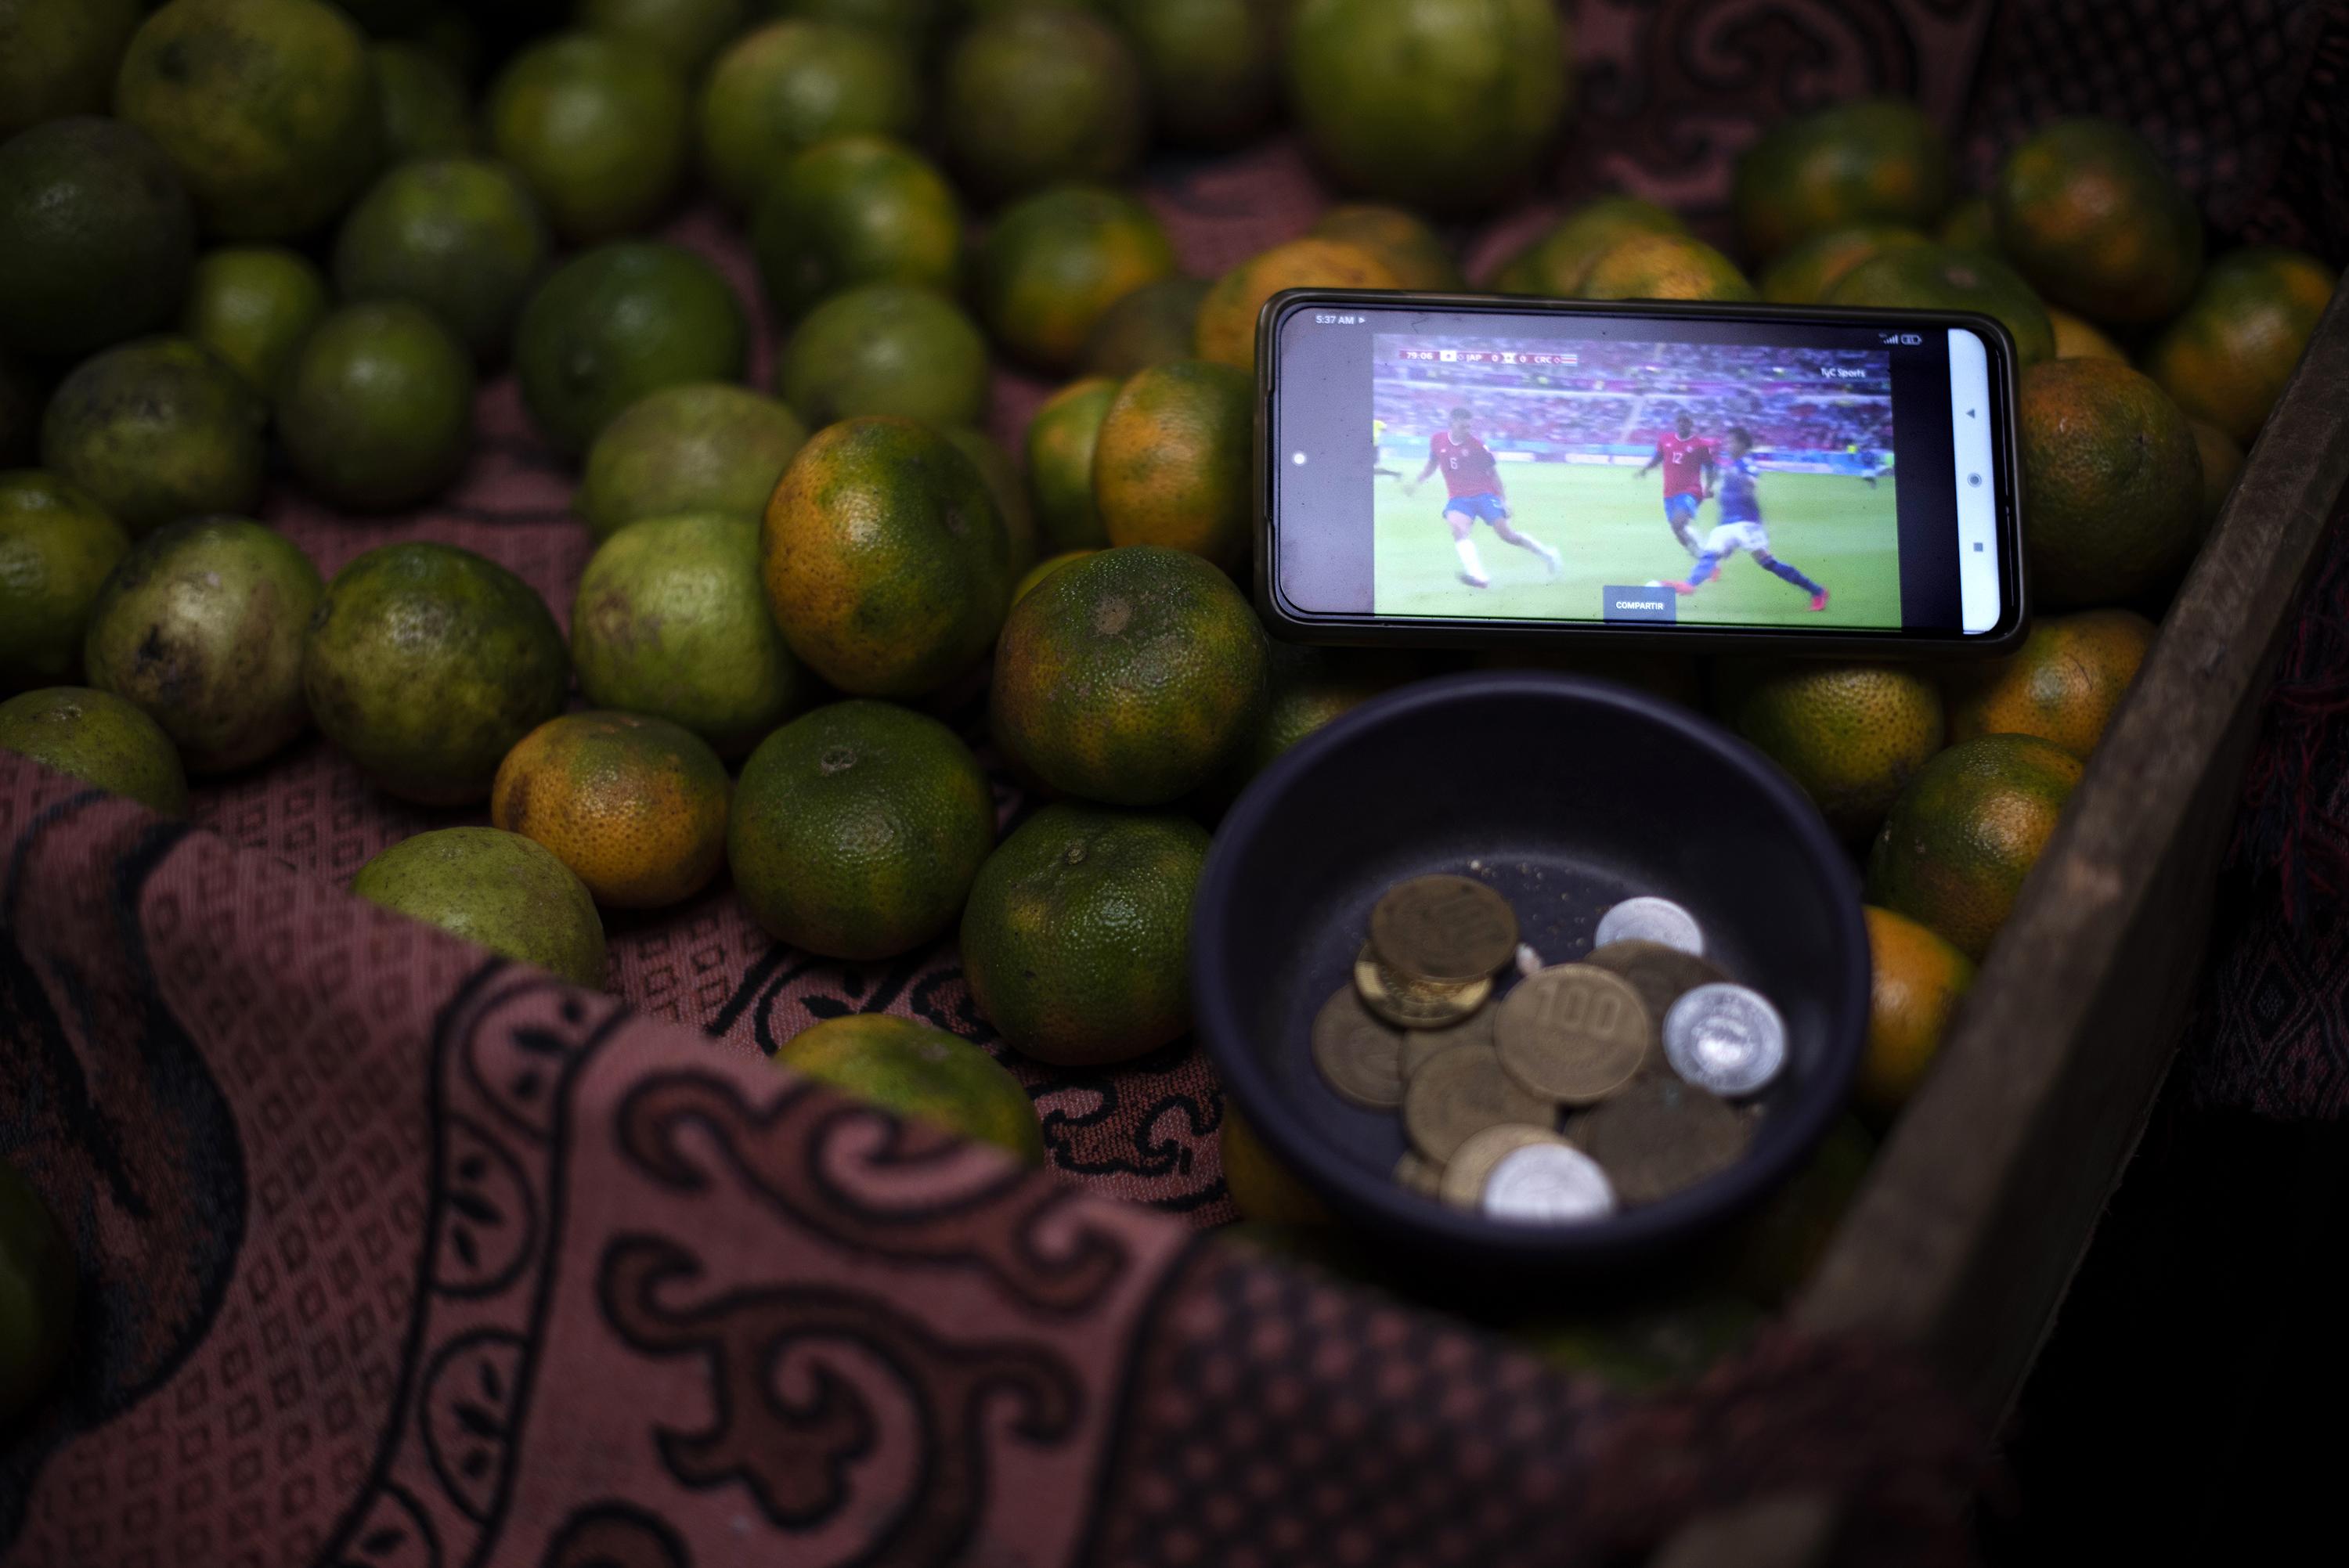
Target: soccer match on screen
[(1536, 479)]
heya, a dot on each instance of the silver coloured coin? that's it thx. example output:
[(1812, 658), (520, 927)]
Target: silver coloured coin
[(1650, 920), (1726, 1038), (1548, 1183)]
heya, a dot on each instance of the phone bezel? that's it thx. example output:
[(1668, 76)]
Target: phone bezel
[(1312, 626)]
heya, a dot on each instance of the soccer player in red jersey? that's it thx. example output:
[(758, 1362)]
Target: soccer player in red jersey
[(1688, 465), (1472, 481)]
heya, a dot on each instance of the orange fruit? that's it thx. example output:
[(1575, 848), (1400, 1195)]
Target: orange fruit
[(2112, 482), (1955, 848), (884, 559), (2222, 460), (2075, 339), (1807, 269), (1226, 329), (1916, 980), (1306, 688), (2062, 685), (922, 1074), (498, 889), (253, 306), (1077, 939), (786, 86), (1559, 262), (58, 548), (886, 348), (853, 211), (1054, 261), (1006, 485), (635, 806), (1130, 676), (1173, 460), (1852, 735), (596, 128), (1261, 1187), (1032, 98), (1414, 252), (700, 445), (1061, 442), (59, 60), (1970, 225), (1213, 66), (99, 739), (2228, 353), (1044, 569), (1871, 160), (1664, 266), (1154, 323), (2086, 211), (1938, 277)]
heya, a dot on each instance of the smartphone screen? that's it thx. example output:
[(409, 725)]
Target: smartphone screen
[(1448, 466)]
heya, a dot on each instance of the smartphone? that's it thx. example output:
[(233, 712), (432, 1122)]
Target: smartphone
[(1447, 469)]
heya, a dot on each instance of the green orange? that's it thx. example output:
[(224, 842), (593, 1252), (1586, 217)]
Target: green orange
[(2063, 685), (2226, 357), (2076, 339), (1031, 98), (1557, 263), (788, 86), (376, 408), (460, 236), (1055, 261), (2222, 461), (886, 348), (1852, 735), (2086, 211), (635, 806), (1154, 323), (1970, 225), (683, 32), (920, 1073), (1044, 569), (157, 429), (885, 560), (496, 889), (1213, 66), (1172, 461), (58, 56), (1414, 252), (98, 738), (853, 211), (98, 236), (1306, 688), (57, 548), (1227, 317), (253, 306), (2112, 482), (1937, 277), (596, 128), (1916, 980), (858, 829), (1953, 854), (1062, 440), (426, 110), (1870, 160), (703, 446), (1005, 483), (1807, 269), (1664, 266)]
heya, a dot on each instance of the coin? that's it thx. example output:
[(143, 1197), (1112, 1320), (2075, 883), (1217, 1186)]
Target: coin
[(1661, 975), (1572, 1033), (1660, 1135), (1650, 920), (1361, 1058), (1419, 1174), (1461, 1093), (1548, 1183), (1463, 1181), (1447, 929), (1411, 1003), (1422, 1046), (1726, 1038)]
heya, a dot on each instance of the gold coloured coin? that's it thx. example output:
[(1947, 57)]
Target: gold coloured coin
[(1661, 1135), (1460, 1094), (1422, 1046), (1446, 929), (1361, 1058), (1661, 975), (1420, 1175), (1464, 1175), (1572, 1033), (1409, 1003)]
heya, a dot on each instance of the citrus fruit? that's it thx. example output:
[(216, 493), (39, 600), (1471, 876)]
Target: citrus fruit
[(1060, 443), (635, 806), (377, 408), (1851, 734), (855, 209), (883, 559), (920, 1073), (267, 107), (98, 738), (1129, 676), (2228, 355), (1955, 850), (1871, 160), (670, 620), (156, 429), (1044, 569), (426, 663), (1970, 225), (56, 547), (202, 625), (2222, 460), (786, 86), (1212, 66), (494, 889), (596, 128), (426, 110), (1261, 1187), (99, 236), (1227, 315), (2112, 482), (460, 236), (1005, 485), (1807, 269), (1077, 939), (906, 22), (616, 322), (685, 33), (1033, 97), (2086, 210), (1306, 688), (58, 56), (1664, 266), (858, 829), (253, 306), (1173, 461), (886, 348), (1559, 262), (1413, 253), (1917, 980), (1054, 261), (1154, 323), (1936, 277), (1438, 104), (38, 1284), (2062, 685), (2075, 339), (704, 446)]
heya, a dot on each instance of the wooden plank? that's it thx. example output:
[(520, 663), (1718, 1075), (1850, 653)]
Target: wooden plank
[(1982, 1202)]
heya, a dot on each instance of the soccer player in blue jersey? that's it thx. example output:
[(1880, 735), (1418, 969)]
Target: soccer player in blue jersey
[(1741, 525)]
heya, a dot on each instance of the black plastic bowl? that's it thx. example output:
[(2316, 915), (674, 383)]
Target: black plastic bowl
[(1567, 794)]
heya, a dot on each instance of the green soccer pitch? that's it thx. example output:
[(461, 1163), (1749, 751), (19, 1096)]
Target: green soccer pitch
[(1609, 528)]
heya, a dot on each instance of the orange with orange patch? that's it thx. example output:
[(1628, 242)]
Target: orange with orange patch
[(635, 806)]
